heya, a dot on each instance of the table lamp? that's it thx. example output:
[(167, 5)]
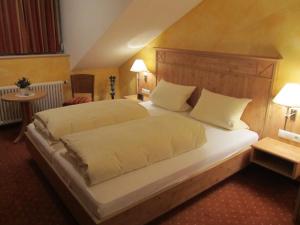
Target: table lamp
[(139, 67), (289, 97)]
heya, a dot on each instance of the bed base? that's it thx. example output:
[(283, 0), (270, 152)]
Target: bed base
[(149, 208)]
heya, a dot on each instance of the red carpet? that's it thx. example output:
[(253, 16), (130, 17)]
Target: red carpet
[(254, 196)]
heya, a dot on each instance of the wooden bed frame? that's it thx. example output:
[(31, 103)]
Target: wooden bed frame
[(234, 75)]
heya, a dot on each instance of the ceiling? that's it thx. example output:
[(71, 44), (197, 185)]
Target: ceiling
[(106, 33)]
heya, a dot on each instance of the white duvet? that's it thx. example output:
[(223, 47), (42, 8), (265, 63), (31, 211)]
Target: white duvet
[(55, 123), (111, 151)]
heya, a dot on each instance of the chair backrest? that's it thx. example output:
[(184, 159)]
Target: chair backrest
[(82, 83)]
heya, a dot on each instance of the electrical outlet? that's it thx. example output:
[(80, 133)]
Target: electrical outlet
[(146, 91), (289, 135)]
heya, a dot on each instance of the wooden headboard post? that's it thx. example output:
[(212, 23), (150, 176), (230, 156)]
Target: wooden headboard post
[(228, 74)]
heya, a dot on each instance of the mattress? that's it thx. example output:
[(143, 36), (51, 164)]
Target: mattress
[(110, 197)]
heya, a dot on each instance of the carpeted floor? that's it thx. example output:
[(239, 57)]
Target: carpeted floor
[(253, 196)]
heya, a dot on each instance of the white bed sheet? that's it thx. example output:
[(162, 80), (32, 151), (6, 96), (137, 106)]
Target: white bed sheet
[(117, 194)]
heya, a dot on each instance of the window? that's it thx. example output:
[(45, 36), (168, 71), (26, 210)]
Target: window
[(30, 27)]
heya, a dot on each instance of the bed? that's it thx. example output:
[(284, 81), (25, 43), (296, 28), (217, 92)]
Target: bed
[(172, 181)]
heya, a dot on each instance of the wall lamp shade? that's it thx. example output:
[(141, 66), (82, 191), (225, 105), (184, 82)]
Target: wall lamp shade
[(138, 66), (289, 96)]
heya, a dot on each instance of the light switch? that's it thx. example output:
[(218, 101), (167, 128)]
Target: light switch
[(289, 135)]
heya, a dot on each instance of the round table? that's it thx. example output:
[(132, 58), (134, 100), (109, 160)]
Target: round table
[(26, 109)]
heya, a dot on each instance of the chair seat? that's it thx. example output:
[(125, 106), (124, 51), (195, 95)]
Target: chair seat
[(77, 100)]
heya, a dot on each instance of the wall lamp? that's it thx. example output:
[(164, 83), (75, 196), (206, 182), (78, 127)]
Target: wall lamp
[(139, 67), (289, 97)]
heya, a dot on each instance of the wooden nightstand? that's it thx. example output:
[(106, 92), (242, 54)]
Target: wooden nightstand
[(134, 98), (277, 156)]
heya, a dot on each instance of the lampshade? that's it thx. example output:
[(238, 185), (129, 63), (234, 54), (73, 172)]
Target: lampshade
[(289, 96), (139, 66)]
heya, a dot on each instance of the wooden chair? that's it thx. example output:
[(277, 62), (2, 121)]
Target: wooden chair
[(81, 83)]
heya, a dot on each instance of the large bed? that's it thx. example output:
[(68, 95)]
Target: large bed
[(104, 200), (134, 198)]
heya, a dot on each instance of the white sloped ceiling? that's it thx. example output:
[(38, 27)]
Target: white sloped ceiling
[(106, 33)]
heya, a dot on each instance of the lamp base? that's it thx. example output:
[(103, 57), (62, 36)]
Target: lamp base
[(293, 114), (290, 114)]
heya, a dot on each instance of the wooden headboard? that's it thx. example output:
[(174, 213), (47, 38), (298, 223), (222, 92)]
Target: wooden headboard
[(227, 74)]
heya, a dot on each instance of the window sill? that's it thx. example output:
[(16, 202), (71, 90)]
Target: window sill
[(32, 56)]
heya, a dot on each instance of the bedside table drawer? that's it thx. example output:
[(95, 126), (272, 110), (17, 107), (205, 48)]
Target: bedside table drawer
[(272, 162), (278, 156)]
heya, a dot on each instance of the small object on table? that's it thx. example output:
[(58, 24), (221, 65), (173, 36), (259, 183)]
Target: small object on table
[(23, 84), (277, 156), (25, 105), (135, 98)]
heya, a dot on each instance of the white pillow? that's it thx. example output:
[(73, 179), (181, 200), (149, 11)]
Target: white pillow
[(220, 110), (172, 96)]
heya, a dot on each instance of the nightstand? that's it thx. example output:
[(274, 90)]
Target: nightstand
[(134, 98), (277, 156)]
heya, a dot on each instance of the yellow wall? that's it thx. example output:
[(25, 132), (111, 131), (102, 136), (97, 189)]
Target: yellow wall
[(255, 27), (102, 88), (52, 68), (37, 69)]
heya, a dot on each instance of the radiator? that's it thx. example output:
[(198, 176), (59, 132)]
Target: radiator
[(10, 111)]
